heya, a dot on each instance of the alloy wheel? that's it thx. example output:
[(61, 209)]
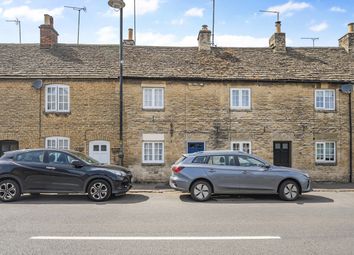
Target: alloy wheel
[(290, 191), (7, 191), (99, 191), (201, 191)]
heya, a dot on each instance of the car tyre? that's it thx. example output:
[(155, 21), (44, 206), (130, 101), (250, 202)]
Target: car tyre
[(201, 191), (99, 190), (289, 190), (9, 191)]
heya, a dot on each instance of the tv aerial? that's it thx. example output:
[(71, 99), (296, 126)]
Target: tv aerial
[(78, 9)]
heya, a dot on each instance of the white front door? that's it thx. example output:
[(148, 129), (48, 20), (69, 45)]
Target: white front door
[(100, 150)]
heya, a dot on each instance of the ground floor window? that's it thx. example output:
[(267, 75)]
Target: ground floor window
[(325, 152), (241, 146), (153, 152), (60, 143), (8, 145)]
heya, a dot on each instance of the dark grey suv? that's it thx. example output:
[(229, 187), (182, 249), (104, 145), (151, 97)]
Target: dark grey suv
[(233, 172)]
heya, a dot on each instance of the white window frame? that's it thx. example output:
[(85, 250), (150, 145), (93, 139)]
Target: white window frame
[(324, 143), (241, 143), (240, 107), (57, 87), (57, 139), (154, 144), (154, 106), (317, 91)]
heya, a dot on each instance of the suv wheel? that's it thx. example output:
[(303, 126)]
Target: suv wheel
[(99, 190), (9, 191), (201, 191), (289, 190)]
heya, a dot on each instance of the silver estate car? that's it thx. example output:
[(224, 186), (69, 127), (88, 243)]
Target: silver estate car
[(234, 172)]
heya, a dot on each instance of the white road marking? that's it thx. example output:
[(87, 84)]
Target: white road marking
[(154, 238)]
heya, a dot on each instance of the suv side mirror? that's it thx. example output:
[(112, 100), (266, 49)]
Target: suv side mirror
[(77, 163)]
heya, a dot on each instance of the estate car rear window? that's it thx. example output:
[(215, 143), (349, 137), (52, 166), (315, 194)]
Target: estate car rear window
[(32, 156)]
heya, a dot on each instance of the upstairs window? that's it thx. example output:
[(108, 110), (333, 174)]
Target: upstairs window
[(153, 98), (57, 98), (325, 99), (240, 99), (60, 143)]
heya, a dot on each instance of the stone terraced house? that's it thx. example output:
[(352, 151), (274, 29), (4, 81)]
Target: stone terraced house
[(284, 104)]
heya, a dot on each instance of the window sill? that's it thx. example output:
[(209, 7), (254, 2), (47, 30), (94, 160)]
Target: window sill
[(240, 109), (57, 113), (326, 164), (325, 111), (153, 109), (153, 164)]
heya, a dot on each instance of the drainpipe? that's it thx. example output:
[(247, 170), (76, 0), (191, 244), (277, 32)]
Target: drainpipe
[(348, 89)]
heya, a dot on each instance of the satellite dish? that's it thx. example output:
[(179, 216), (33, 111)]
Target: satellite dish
[(346, 88), (37, 84)]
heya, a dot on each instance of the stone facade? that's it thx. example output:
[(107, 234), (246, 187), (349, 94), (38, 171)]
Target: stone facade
[(93, 115), (201, 112)]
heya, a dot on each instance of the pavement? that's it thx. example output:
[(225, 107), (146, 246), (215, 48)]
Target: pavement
[(317, 187), (171, 223)]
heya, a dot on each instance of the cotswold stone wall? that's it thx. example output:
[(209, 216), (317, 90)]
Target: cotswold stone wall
[(94, 114), (200, 111), (194, 111)]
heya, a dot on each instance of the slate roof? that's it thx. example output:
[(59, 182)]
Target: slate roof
[(222, 64)]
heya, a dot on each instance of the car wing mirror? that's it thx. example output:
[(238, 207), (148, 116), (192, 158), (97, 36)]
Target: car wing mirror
[(77, 163)]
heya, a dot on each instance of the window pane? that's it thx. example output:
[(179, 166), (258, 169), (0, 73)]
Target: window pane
[(33, 156), (235, 98), (148, 97), (246, 147), (245, 98), (319, 99), (103, 147), (58, 158), (158, 97), (319, 151), (96, 148)]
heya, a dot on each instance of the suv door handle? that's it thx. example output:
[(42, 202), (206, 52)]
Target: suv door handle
[(50, 167), (211, 171)]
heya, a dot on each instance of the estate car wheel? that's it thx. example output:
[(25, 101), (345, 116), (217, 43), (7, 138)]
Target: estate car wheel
[(201, 191), (289, 190), (99, 190), (9, 191)]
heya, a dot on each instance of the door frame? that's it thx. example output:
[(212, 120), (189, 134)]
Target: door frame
[(290, 150)]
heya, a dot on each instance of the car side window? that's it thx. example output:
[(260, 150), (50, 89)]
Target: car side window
[(249, 161), (200, 160), (32, 156), (56, 157), (223, 160)]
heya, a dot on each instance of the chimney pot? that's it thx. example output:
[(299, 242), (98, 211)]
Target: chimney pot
[(204, 38), (278, 27), (130, 41), (351, 28)]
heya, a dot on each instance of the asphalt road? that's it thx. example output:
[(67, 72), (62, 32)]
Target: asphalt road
[(318, 223)]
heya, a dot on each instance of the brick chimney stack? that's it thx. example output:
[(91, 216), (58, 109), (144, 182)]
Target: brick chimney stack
[(347, 41), (130, 41), (48, 35), (204, 42), (278, 42)]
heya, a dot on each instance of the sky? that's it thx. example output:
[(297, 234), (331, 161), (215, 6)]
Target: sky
[(238, 23)]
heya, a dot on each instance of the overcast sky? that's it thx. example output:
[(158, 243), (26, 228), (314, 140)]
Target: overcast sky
[(177, 22)]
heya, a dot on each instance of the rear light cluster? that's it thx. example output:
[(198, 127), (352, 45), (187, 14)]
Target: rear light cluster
[(177, 169)]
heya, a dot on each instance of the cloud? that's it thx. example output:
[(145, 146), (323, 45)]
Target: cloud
[(6, 2), (195, 12), (177, 22), (319, 27), (31, 14), (337, 9), (107, 35), (0, 10), (142, 7), (289, 7)]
